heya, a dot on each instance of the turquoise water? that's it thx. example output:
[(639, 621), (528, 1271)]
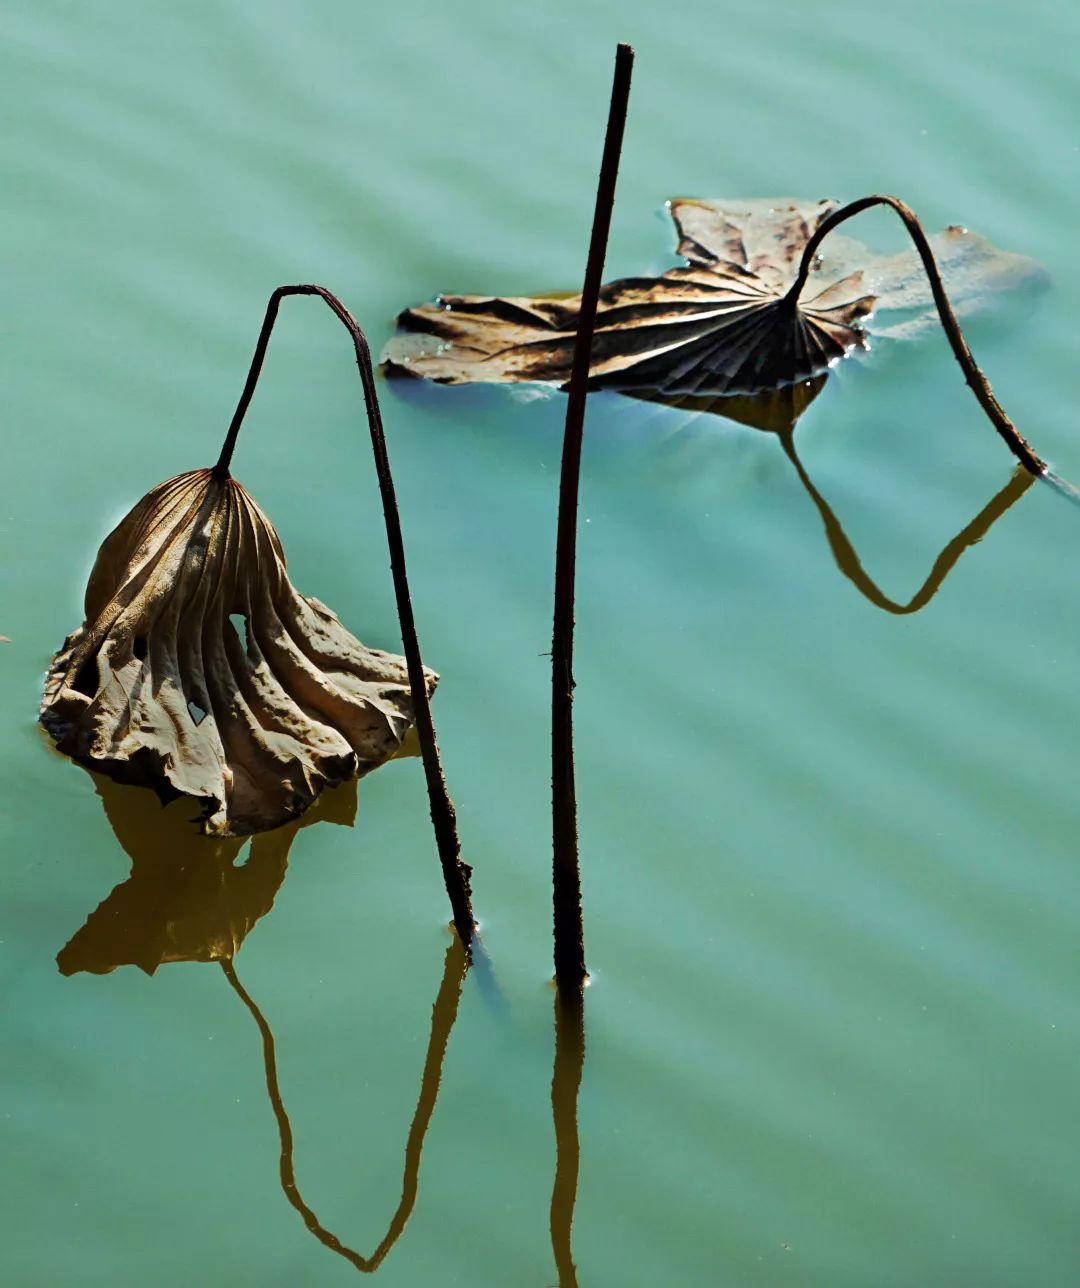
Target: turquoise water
[(829, 853)]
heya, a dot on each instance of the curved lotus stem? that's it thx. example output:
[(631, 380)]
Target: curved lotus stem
[(456, 873), (980, 386), (443, 1017)]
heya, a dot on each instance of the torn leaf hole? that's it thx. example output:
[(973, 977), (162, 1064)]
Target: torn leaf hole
[(240, 625), (196, 712), (138, 647)]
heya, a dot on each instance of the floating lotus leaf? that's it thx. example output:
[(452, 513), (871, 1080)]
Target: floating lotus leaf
[(200, 671), (722, 324)]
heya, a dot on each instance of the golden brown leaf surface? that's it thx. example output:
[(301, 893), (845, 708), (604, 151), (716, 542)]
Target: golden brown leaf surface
[(716, 326), (200, 670)]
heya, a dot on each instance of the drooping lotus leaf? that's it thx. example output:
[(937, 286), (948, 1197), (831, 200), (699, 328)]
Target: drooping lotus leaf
[(722, 324), (200, 671)]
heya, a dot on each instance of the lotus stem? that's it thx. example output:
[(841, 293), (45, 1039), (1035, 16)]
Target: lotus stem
[(980, 386), (456, 873), (570, 970)]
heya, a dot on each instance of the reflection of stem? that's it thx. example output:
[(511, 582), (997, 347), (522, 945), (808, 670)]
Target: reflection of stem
[(980, 386), (566, 872), (565, 1085), (850, 565), (456, 873), (443, 1015)]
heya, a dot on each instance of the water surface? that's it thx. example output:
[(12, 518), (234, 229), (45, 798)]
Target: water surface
[(829, 851)]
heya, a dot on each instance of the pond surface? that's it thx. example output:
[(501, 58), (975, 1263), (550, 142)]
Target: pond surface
[(830, 852)]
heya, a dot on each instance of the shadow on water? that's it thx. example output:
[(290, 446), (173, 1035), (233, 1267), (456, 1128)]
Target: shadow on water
[(187, 900), (565, 1086)]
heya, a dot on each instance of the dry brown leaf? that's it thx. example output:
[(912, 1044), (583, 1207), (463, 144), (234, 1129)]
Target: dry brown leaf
[(159, 687), (718, 326)]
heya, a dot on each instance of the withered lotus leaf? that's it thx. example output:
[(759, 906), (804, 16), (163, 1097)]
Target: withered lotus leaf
[(200, 670), (721, 324)]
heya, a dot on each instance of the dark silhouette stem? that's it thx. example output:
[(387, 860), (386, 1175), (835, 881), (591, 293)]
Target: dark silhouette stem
[(456, 873), (443, 1016), (565, 1086), (980, 386), (566, 875)]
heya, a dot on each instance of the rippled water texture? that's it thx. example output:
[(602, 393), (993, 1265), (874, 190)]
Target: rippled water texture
[(830, 852)]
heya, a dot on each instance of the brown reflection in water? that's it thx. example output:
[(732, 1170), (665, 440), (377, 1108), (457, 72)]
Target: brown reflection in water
[(443, 1016), (850, 565), (565, 1085), (186, 899), (777, 412)]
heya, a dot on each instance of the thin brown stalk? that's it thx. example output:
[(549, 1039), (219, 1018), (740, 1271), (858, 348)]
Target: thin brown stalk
[(980, 386), (566, 875), (456, 873)]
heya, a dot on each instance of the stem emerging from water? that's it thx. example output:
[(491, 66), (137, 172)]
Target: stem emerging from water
[(456, 873), (566, 873), (980, 386)]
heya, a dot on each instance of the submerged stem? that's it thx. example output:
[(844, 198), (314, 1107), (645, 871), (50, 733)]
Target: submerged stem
[(566, 873), (980, 386), (456, 873)]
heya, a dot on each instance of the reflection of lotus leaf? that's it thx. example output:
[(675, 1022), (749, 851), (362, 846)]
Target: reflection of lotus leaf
[(160, 687), (187, 899), (774, 410), (722, 324)]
